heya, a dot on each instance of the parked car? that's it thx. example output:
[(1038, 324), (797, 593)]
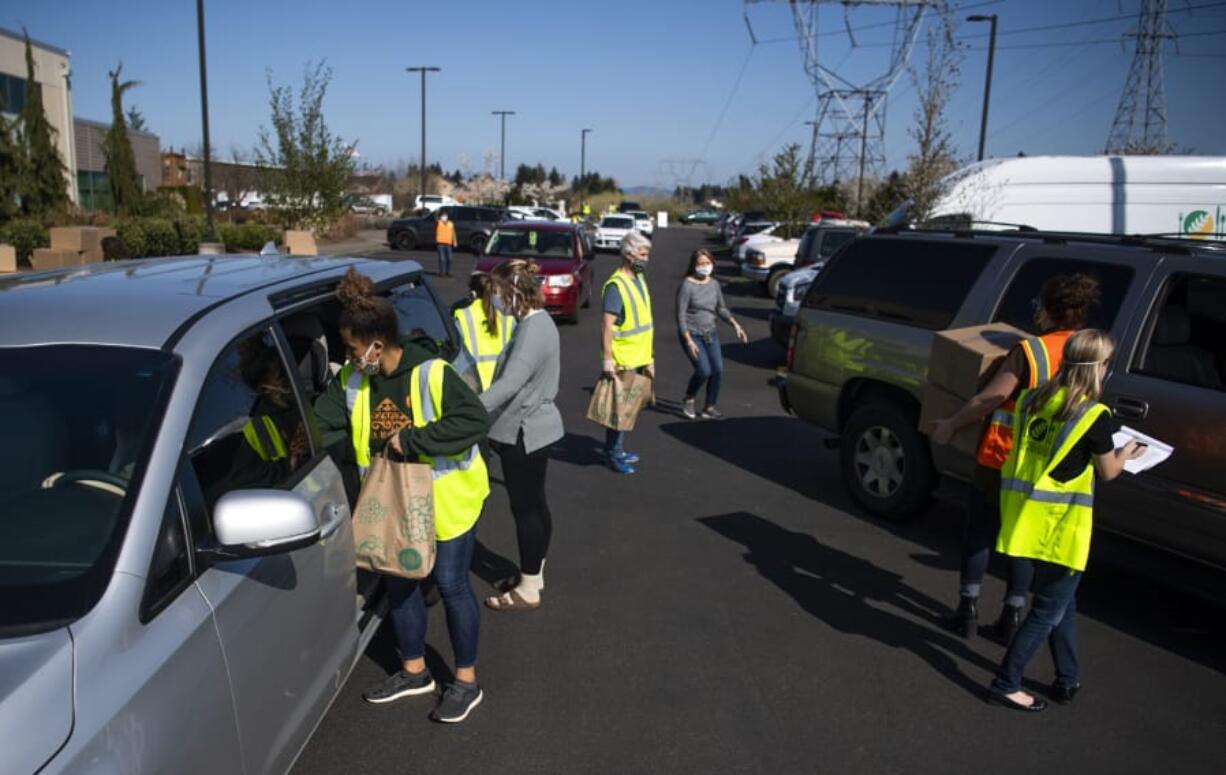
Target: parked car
[(643, 222), (561, 252), (431, 202), (628, 206), (365, 205), (858, 359), (473, 226), (612, 230), (532, 213), (180, 593), (748, 230), (769, 261), (705, 217)]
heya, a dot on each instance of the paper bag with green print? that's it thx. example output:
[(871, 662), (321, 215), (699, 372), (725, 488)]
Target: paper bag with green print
[(617, 401), (393, 524)]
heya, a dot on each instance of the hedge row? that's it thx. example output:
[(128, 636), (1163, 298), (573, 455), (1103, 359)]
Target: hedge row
[(144, 237)]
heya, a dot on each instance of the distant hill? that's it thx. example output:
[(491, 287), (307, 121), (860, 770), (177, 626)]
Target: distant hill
[(647, 191)]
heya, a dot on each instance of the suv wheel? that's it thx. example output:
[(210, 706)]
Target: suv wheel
[(405, 240), (887, 465), (772, 282)]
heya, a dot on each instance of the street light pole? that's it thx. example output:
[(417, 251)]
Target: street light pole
[(987, 85), (811, 163), (583, 164), (423, 71), (209, 235), (502, 153)]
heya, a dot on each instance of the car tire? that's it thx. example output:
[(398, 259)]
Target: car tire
[(772, 282), (405, 240), (886, 463)]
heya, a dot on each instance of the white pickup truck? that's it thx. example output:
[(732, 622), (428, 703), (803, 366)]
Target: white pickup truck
[(768, 262)]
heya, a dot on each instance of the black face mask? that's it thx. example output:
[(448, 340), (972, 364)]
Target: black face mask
[(638, 266)]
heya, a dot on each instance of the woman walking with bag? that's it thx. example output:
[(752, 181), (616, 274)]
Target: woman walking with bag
[(526, 423), (700, 303), (1047, 509), (399, 392)]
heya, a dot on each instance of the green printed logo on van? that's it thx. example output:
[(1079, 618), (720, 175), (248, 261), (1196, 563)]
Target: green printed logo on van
[(1200, 224)]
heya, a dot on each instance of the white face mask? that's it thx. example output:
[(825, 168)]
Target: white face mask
[(703, 270), (365, 364)]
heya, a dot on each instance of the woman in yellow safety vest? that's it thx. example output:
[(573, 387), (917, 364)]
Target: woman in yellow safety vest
[(627, 334), (1063, 436), (1062, 307), (399, 392), (485, 329)]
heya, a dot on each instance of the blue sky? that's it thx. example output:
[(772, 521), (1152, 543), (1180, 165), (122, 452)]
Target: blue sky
[(650, 78)]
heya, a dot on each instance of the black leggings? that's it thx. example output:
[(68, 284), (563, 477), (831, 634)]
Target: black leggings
[(525, 478)]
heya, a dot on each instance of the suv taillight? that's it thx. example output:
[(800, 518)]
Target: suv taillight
[(791, 346)]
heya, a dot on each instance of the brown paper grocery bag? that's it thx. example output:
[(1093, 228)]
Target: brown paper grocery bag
[(393, 523), (617, 401)]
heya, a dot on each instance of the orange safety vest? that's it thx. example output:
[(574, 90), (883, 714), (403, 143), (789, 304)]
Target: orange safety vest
[(444, 233), (1043, 355)]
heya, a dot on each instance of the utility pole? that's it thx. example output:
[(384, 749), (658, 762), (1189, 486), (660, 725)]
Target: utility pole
[(863, 150), (423, 71), (502, 153), (583, 164), (209, 234), (987, 85), (812, 162)]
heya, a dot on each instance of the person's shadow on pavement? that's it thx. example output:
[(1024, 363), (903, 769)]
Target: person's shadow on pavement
[(840, 589)]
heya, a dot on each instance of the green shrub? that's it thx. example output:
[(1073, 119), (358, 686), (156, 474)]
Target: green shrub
[(191, 233), (25, 236), (132, 233), (247, 237), (161, 237)]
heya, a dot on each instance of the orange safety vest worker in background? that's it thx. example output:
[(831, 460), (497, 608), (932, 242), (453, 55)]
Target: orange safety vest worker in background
[(444, 233), (1043, 356)]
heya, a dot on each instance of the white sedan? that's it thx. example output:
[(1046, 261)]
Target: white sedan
[(612, 230), (642, 221)]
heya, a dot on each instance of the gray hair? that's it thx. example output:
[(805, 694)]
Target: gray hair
[(632, 242)]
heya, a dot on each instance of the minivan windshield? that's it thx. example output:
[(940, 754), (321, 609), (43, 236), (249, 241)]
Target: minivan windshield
[(531, 242), (79, 424)]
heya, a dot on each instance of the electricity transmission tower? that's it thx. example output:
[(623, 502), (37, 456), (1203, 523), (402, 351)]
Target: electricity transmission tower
[(849, 131), (1140, 119)]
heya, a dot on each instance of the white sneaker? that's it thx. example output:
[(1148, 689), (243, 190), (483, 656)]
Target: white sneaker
[(687, 409)]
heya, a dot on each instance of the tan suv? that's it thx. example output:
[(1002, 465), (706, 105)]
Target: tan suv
[(857, 362)]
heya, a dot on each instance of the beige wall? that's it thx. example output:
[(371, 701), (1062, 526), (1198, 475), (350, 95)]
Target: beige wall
[(51, 70), (90, 136)]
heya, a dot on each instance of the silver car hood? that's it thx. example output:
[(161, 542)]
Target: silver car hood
[(36, 710)]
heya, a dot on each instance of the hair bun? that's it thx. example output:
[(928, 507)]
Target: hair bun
[(356, 291)]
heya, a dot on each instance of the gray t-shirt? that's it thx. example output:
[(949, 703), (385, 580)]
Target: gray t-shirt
[(698, 306), (613, 303)]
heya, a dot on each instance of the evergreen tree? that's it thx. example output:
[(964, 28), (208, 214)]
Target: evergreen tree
[(126, 194), (41, 186), (555, 177), (136, 119), (10, 163)]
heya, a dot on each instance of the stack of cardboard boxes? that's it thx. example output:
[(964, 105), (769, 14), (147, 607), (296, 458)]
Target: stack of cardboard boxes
[(962, 362), (71, 246)]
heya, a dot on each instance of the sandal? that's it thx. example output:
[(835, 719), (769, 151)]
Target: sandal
[(509, 601)]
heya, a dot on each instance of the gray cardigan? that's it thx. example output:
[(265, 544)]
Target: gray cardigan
[(525, 384)]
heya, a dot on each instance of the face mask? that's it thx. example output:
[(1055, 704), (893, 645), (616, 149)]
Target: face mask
[(703, 270), (638, 266), (365, 365), (498, 305)]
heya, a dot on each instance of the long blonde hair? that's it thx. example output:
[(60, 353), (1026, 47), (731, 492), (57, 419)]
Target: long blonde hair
[(1079, 373)]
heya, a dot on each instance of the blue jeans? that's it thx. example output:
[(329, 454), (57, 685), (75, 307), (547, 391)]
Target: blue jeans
[(1052, 617), (708, 366), (451, 566), (444, 259), (614, 442), (979, 533)]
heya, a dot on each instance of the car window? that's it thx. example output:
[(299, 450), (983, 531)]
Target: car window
[(1017, 305), (832, 240), (79, 423), (617, 223), (806, 243), (247, 431), (1185, 339), (531, 242), (170, 570), (920, 283), (418, 313)]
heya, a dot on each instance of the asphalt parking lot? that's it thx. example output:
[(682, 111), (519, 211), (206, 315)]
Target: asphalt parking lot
[(726, 609)]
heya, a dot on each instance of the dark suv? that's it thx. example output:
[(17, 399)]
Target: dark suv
[(858, 362), (473, 226)]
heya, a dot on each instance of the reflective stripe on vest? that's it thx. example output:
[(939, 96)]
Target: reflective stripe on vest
[(633, 337), (357, 401), (440, 466), (481, 345), (265, 436), (1043, 355), (1042, 518)]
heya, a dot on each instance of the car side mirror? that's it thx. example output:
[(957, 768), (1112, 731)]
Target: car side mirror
[(257, 523)]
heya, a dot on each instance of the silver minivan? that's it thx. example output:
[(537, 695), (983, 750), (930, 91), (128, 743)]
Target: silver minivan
[(177, 581)]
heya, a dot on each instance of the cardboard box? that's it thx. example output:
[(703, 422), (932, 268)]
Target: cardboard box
[(300, 243), (963, 360), (92, 256), (53, 258), (8, 258), (957, 458), (79, 238)]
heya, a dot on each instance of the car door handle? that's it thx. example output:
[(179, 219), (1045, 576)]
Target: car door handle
[(336, 516), (1132, 408)]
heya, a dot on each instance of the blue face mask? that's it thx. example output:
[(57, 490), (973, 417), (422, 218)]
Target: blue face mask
[(498, 304)]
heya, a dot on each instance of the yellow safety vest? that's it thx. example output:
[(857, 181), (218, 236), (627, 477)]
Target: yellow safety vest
[(633, 340), (461, 482), (265, 438), (1041, 518), (484, 347)]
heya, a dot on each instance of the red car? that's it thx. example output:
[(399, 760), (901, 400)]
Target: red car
[(562, 252)]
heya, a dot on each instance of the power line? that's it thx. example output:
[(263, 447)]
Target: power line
[(1084, 22), (727, 103), (1095, 42), (874, 26)]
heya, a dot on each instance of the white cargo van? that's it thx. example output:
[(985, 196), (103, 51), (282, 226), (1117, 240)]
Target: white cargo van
[(1097, 194)]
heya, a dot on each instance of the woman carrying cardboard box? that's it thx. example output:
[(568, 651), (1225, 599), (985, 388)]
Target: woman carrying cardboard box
[(1062, 308)]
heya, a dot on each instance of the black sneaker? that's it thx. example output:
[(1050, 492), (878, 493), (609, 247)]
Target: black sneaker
[(400, 684), (458, 701)]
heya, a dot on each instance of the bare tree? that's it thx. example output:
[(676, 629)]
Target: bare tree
[(935, 82)]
